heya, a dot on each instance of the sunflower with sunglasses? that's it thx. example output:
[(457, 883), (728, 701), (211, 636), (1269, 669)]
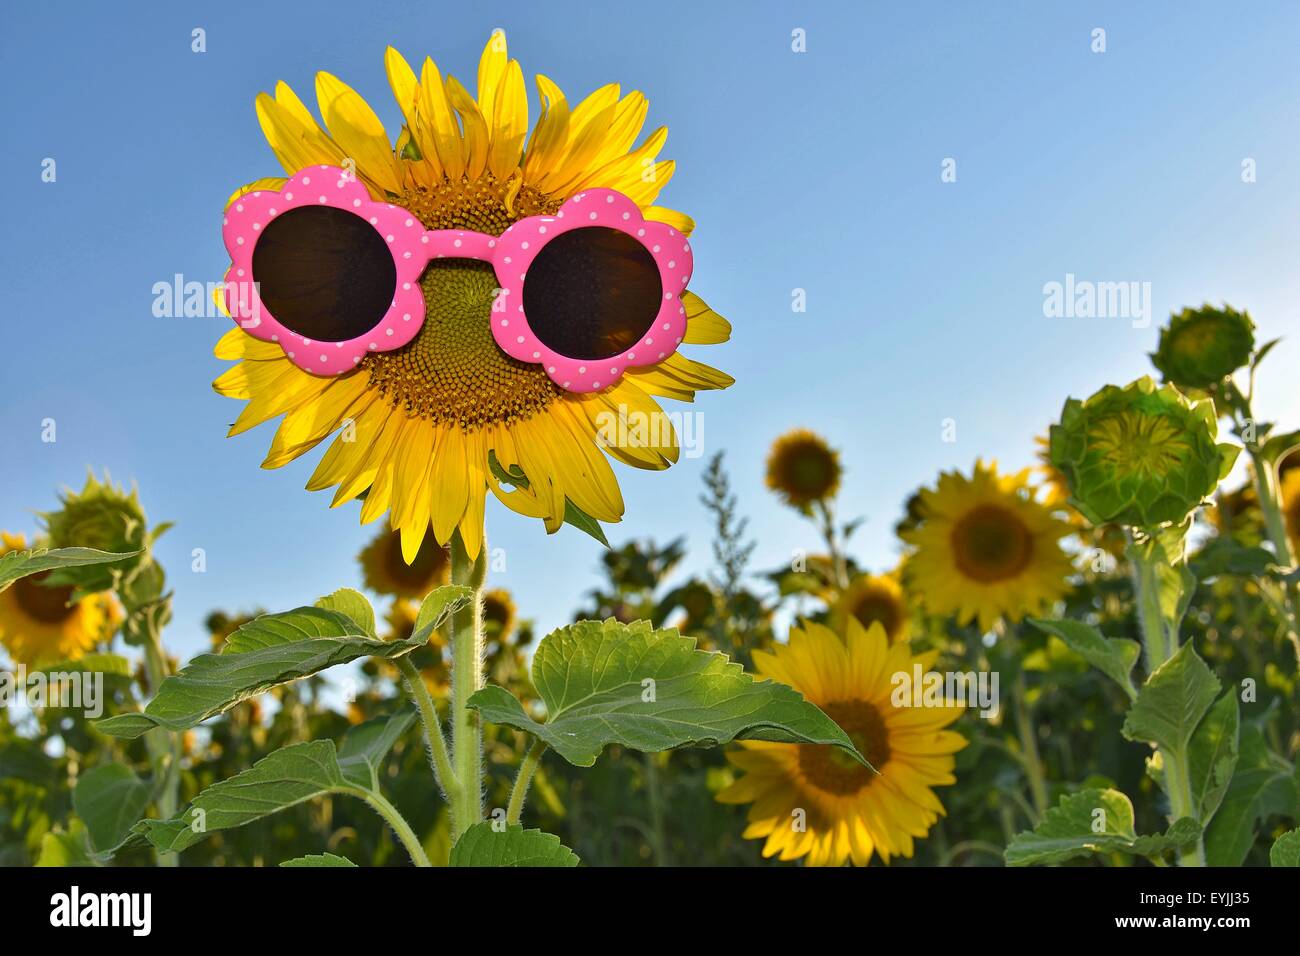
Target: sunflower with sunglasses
[(468, 309)]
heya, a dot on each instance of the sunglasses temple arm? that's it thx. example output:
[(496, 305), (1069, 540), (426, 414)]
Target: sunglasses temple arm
[(455, 244)]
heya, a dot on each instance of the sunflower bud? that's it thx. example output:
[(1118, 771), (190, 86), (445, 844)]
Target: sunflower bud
[(107, 518), (1199, 348), (1141, 455)]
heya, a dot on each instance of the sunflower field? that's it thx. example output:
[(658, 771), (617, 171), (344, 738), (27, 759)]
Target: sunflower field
[(1088, 660)]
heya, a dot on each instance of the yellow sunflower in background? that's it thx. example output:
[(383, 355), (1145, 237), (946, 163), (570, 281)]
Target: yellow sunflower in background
[(874, 599), (385, 570), (1055, 486), (498, 613), (1290, 495), (986, 549), (39, 626), (430, 428), (811, 801), (803, 469)]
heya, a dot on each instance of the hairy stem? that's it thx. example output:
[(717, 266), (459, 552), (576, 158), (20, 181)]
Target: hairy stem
[(466, 678), (1161, 643), (519, 791), (398, 822), (433, 736), (164, 746)]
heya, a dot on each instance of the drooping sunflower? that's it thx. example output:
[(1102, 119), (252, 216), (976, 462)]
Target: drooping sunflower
[(429, 428), (386, 571), (811, 801), (874, 599), (803, 469), (986, 549), (39, 626)]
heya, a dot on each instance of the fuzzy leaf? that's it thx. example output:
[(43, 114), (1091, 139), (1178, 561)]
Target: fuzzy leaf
[(1113, 656), (1262, 784), (1212, 756), (270, 650), (1069, 830), (110, 799), (20, 564), (651, 690), (1286, 850), (283, 779), (481, 845), (352, 604), (1172, 702)]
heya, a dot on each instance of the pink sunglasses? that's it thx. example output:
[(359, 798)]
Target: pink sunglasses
[(329, 274)]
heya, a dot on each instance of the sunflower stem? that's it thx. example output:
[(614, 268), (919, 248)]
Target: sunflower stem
[(1160, 638), (515, 809), (466, 679), (394, 818), (439, 758), (164, 746)]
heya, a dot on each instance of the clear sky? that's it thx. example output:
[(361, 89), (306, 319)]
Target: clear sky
[(818, 170)]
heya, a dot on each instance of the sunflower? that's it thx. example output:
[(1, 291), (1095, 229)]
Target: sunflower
[(39, 626), (428, 429), (498, 613), (1290, 495), (986, 549), (810, 801), (803, 469), (874, 599), (386, 571)]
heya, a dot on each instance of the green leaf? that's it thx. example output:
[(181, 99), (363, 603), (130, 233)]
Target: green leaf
[(66, 847), (1259, 778), (270, 650), (364, 747), (440, 605), (110, 799), (1172, 701), (1113, 656), (651, 690), (352, 604), (481, 845), (20, 564), (319, 859), (1286, 850), (1092, 821), (584, 522), (1212, 756), (282, 779)]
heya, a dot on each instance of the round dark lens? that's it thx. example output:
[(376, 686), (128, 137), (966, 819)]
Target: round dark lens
[(324, 273), (592, 293)]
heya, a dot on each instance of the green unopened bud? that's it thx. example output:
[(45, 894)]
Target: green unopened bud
[(1199, 348), (107, 518), (1142, 455)]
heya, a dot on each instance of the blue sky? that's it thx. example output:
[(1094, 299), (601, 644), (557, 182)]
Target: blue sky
[(817, 170)]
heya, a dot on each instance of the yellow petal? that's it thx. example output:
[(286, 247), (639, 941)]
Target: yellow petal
[(509, 123), (547, 144), (703, 325), (670, 217), (437, 119), (491, 70), (476, 129), (295, 145), (268, 182), (356, 128), (450, 477)]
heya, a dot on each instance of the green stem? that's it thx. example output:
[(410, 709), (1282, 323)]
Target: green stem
[(839, 565), (466, 678), (398, 822), (1161, 643), (519, 791), (433, 736), (1032, 760), (655, 797), (164, 746)]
